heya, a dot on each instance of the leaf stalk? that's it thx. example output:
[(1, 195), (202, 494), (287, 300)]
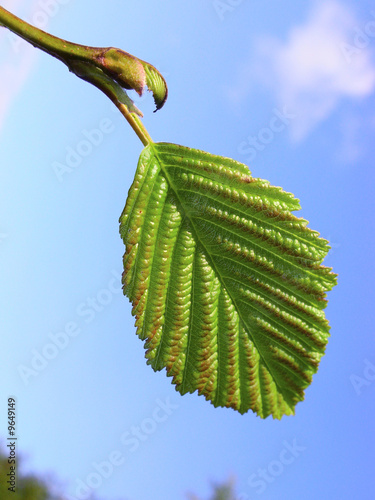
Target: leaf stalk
[(109, 69)]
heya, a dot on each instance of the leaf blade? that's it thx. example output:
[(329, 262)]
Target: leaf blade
[(227, 285)]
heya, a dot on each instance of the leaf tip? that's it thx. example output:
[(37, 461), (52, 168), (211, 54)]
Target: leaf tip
[(156, 84)]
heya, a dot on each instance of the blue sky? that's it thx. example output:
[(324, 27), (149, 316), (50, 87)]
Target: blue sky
[(94, 415)]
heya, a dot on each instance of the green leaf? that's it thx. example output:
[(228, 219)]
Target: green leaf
[(227, 285)]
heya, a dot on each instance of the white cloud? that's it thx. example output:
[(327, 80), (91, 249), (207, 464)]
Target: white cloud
[(327, 58)]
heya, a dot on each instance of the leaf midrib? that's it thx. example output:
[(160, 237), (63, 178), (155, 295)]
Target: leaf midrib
[(270, 370)]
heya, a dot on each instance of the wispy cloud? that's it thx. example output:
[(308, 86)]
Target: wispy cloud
[(322, 61), (17, 57)]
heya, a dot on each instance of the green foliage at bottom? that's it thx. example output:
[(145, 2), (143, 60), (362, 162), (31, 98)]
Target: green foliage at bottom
[(26, 487)]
